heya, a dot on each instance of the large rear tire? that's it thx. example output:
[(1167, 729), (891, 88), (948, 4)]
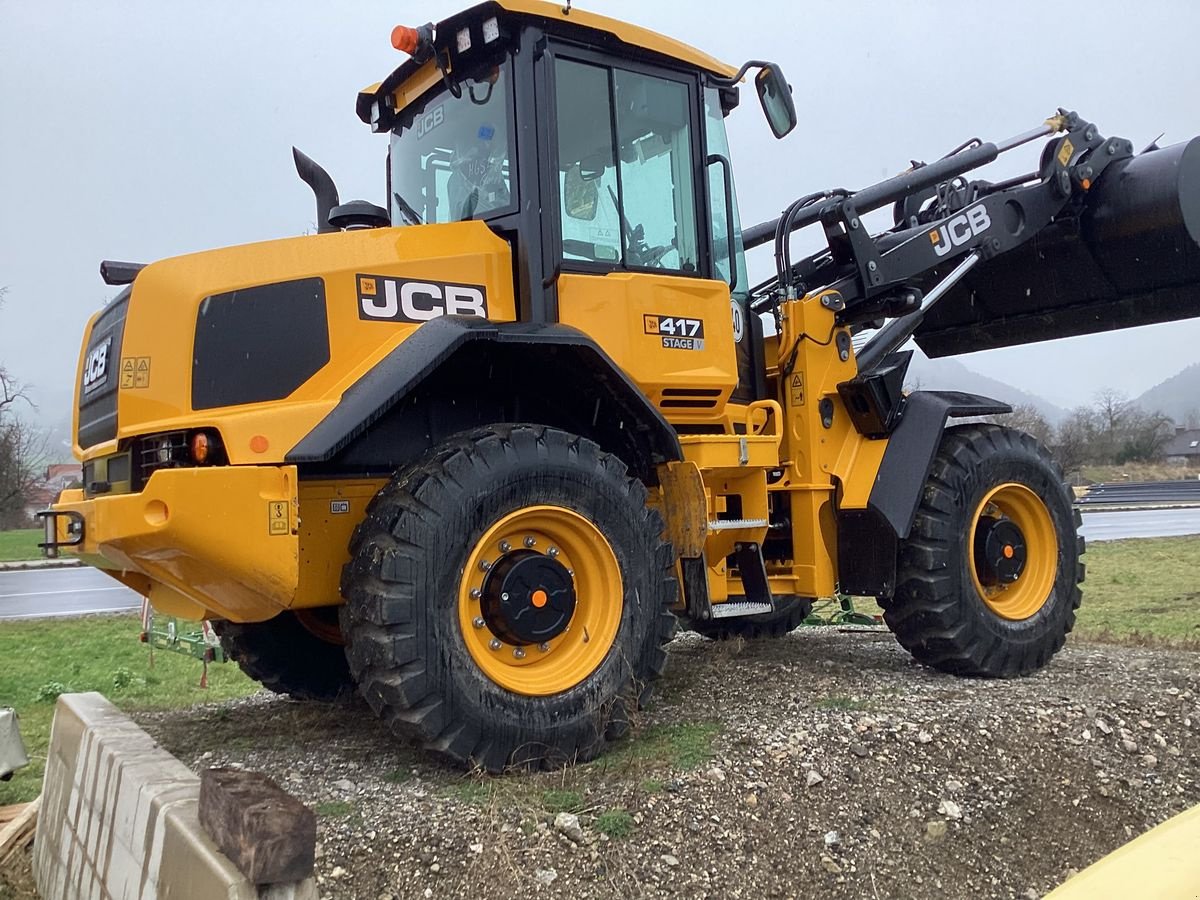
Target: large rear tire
[(294, 653), (988, 579), (507, 599)]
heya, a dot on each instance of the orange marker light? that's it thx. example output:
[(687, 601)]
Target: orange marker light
[(201, 445), (405, 39), (259, 444)]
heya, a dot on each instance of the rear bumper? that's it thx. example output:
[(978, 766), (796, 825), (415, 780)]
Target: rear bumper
[(218, 542)]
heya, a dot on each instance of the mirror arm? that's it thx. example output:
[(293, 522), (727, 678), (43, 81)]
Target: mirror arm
[(746, 67), (727, 174)]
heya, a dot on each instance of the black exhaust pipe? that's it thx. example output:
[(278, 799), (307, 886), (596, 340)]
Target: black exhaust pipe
[(1132, 257), (322, 187)]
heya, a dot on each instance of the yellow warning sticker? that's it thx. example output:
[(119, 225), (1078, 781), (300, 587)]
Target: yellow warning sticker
[(796, 387), (141, 375), (277, 517), (127, 372), (1065, 152)]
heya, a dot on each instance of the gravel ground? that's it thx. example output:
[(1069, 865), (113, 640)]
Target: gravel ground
[(825, 763)]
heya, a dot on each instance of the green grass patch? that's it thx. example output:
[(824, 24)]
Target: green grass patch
[(652, 786), (398, 776), (616, 823), (681, 746), (334, 809), (1142, 590), (20, 545), (40, 659), (556, 800), (843, 703)]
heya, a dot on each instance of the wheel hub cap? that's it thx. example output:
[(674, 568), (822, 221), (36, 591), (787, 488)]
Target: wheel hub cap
[(1000, 551), (528, 598)]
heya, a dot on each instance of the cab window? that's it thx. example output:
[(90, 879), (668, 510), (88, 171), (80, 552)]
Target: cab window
[(452, 162), (627, 194)]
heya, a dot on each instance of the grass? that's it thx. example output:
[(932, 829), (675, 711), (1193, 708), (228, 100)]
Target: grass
[(1137, 472), (616, 823), (1143, 591), (334, 809), (39, 659), (20, 545), (842, 703)]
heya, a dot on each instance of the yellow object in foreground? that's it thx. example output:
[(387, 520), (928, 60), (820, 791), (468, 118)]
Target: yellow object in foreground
[(1164, 863)]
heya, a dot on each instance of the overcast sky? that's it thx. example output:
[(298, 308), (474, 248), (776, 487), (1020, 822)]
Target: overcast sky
[(139, 130)]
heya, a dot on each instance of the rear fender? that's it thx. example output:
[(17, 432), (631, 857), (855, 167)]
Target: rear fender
[(457, 373)]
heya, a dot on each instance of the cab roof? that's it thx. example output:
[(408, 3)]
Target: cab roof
[(554, 15)]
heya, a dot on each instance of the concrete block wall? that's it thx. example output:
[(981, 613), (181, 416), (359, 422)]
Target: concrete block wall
[(119, 820)]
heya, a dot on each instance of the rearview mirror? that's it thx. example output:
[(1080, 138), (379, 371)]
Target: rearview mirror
[(580, 195), (776, 98)]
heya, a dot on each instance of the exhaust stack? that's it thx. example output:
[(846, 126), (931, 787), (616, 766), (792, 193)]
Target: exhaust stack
[(322, 187)]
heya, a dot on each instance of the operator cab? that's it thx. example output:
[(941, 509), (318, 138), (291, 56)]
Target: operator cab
[(595, 148)]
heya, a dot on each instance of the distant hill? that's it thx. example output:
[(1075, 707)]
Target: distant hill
[(1177, 397), (950, 375)]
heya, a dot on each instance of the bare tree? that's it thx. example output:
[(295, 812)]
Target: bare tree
[(22, 450), (1028, 418), (1074, 444)]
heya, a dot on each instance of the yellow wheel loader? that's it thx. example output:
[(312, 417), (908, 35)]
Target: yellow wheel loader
[(473, 453)]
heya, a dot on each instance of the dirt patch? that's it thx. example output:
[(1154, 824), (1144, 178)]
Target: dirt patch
[(825, 763)]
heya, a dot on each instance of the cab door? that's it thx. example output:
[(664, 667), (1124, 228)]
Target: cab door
[(633, 242)]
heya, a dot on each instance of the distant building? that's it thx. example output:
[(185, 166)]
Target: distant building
[(56, 478), (1184, 447), (63, 475)]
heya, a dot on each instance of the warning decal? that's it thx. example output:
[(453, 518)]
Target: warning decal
[(135, 372), (796, 388), (277, 517)]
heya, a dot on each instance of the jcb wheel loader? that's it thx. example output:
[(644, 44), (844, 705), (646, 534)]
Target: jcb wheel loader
[(473, 452)]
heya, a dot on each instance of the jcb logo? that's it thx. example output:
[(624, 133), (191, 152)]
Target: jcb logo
[(402, 300), (960, 229), (430, 121), (95, 367)]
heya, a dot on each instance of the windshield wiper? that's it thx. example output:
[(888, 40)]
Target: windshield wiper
[(407, 210)]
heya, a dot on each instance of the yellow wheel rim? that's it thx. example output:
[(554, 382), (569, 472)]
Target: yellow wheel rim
[(568, 658), (1024, 597)]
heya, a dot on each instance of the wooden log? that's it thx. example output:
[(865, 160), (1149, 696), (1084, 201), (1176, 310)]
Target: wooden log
[(18, 833), (267, 833)]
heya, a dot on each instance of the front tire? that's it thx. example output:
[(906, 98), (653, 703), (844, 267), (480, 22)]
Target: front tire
[(988, 579), (507, 599)]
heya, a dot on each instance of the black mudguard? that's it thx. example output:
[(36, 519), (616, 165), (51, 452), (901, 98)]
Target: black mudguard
[(869, 539), (545, 354)]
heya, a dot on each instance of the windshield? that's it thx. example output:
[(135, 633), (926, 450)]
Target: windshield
[(453, 161)]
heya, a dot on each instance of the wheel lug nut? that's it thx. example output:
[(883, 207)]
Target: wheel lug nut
[(529, 542), (504, 596), (476, 593), (477, 621), (519, 653), (543, 647), (484, 565), (505, 546), (552, 552), (495, 643), (571, 572)]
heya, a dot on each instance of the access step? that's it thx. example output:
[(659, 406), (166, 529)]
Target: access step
[(736, 524), (735, 608)]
